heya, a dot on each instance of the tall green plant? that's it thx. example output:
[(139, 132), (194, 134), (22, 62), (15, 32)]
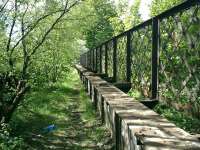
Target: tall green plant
[(25, 29)]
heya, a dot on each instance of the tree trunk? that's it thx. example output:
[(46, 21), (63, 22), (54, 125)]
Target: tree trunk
[(8, 109)]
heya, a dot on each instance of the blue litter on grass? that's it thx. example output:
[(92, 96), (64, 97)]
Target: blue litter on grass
[(49, 128)]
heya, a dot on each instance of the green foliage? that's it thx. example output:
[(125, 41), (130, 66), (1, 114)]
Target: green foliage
[(8, 142), (136, 17), (182, 120), (84, 27), (159, 6), (129, 15), (105, 25), (135, 94), (37, 47), (179, 56), (64, 104)]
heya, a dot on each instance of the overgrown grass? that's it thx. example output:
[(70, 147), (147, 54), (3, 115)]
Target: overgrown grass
[(186, 122), (90, 116), (66, 105), (182, 120), (135, 94)]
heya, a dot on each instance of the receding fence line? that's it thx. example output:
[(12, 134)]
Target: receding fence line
[(142, 55)]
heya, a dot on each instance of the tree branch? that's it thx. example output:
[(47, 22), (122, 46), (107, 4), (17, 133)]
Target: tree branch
[(11, 28), (32, 27), (4, 5), (25, 53), (78, 18), (53, 25)]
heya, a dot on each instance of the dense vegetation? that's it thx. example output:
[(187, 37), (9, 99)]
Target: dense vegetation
[(40, 40), (178, 63), (39, 43)]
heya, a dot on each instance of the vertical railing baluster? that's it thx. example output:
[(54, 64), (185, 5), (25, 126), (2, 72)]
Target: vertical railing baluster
[(128, 57), (87, 63), (96, 58), (100, 59), (93, 59), (90, 60), (106, 58), (86, 60), (94, 51), (155, 57), (114, 59), (80, 59)]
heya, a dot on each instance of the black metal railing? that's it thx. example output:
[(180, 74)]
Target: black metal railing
[(160, 57)]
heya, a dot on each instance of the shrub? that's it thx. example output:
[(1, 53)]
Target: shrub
[(8, 142)]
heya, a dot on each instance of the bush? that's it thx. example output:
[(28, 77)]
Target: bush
[(8, 142)]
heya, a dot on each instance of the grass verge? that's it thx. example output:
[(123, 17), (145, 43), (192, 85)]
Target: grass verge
[(180, 119), (65, 105), (188, 123)]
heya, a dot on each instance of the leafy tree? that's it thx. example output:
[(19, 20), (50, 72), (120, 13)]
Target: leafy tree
[(129, 14), (136, 17), (159, 6), (25, 28), (105, 25)]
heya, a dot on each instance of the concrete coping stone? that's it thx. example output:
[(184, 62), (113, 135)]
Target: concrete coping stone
[(149, 128), (169, 143)]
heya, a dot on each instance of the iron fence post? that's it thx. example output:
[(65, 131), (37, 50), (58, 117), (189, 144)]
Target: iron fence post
[(100, 59), (86, 62), (106, 58), (96, 65), (128, 57), (89, 60), (97, 59), (155, 57), (92, 59), (115, 59)]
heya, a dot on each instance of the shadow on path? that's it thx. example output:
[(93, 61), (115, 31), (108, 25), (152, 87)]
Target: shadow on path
[(70, 110)]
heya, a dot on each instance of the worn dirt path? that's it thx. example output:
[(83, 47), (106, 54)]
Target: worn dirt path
[(67, 106)]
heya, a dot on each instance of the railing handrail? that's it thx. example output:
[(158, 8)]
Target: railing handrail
[(180, 7)]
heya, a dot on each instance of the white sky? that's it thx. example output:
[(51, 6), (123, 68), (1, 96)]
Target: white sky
[(144, 7)]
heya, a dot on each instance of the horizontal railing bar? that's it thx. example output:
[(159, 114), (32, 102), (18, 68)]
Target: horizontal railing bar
[(142, 25), (181, 7)]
